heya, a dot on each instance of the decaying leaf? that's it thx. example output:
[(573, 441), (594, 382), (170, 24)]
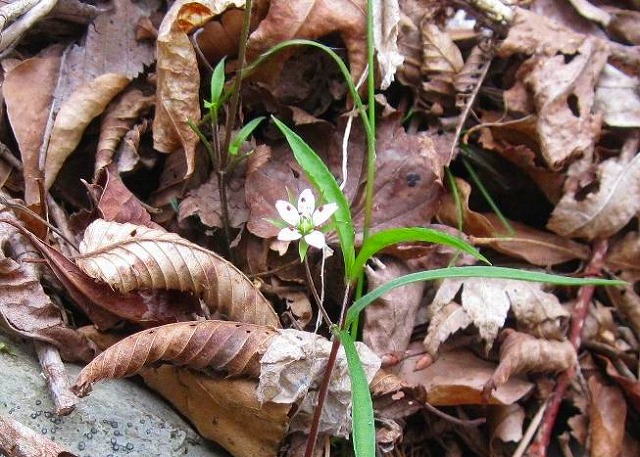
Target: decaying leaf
[(386, 18), (33, 79), (389, 321), (444, 323), (609, 202), (239, 422), (75, 114), (129, 257), (230, 347), (291, 370), (506, 423), (457, 378), (608, 411), (522, 353), (617, 97)]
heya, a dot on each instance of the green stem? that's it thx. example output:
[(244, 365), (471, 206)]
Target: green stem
[(235, 91), (371, 136)]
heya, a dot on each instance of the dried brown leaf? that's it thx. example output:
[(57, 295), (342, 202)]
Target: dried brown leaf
[(522, 353), (389, 320), (609, 202), (624, 254), (617, 97), (178, 77), (34, 80), (129, 257), (457, 378), (506, 423), (627, 300), (224, 410), (231, 347), (441, 60), (118, 119), (75, 114), (608, 413), (311, 20)]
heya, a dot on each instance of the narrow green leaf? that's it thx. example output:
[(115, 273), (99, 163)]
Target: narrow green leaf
[(243, 134), (364, 432), (217, 85), (322, 179), (385, 238), (472, 272)]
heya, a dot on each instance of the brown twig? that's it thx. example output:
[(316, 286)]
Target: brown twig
[(579, 314), (455, 420), (56, 377)]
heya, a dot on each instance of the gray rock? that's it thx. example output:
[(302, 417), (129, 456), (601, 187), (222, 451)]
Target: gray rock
[(118, 418)]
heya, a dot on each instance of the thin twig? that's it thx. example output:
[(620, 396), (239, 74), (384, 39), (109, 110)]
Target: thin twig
[(579, 314), (56, 377), (455, 420)]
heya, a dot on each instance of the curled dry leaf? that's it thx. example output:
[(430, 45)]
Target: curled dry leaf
[(34, 80), (441, 60), (217, 345), (178, 93), (609, 204), (130, 257), (75, 114), (522, 353), (389, 320), (446, 321)]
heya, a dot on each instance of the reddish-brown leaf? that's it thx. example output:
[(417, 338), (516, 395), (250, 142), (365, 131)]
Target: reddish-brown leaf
[(608, 412), (218, 345)]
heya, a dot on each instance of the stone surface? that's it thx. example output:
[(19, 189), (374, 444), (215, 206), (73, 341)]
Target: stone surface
[(118, 418)]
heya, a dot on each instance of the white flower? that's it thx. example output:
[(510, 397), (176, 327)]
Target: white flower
[(304, 219)]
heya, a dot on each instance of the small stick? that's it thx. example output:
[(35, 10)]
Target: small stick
[(56, 378)]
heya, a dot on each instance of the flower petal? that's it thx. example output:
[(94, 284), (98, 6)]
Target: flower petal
[(288, 212), (306, 203), (289, 234), (315, 239), (323, 213)]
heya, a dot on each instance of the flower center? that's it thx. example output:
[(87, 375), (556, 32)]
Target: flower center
[(306, 225)]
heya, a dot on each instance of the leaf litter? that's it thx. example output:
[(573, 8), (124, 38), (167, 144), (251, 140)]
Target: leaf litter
[(544, 94)]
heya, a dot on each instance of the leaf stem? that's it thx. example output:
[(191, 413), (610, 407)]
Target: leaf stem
[(371, 131)]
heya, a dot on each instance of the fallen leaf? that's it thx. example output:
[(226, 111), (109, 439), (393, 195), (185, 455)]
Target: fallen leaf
[(129, 257), (457, 378), (444, 323), (311, 20), (386, 19), (25, 308), (522, 353), (617, 97), (389, 320), (506, 423), (291, 371), (631, 387), (608, 412), (605, 205), (224, 410), (231, 347), (178, 78), (118, 119), (75, 114), (441, 61), (626, 299), (33, 79), (623, 24), (624, 253)]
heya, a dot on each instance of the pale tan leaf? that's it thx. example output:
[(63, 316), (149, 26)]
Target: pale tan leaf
[(602, 212), (389, 320), (506, 423), (617, 97), (224, 410), (625, 253), (386, 19), (130, 257), (522, 353), (440, 53), (292, 368), (75, 114), (448, 320), (178, 77), (230, 347), (34, 80)]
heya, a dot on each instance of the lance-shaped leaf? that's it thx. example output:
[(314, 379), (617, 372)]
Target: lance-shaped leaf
[(131, 257), (219, 345)]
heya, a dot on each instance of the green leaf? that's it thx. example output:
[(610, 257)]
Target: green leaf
[(217, 85), (319, 175), (364, 432), (243, 134), (385, 238), (471, 272)]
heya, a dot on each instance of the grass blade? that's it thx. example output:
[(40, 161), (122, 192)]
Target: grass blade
[(385, 238), (364, 432), (472, 272)]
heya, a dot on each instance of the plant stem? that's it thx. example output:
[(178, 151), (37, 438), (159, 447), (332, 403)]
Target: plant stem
[(242, 59), (371, 131)]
